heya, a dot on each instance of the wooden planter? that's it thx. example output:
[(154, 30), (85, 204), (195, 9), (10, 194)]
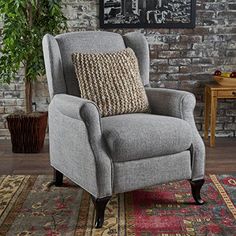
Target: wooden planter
[(27, 131)]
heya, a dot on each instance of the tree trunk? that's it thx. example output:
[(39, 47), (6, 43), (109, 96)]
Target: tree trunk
[(28, 84), (28, 96)]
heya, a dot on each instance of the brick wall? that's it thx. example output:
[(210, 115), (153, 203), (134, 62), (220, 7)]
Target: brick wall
[(180, 58)]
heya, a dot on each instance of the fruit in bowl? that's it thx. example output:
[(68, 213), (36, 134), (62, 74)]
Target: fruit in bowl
[(225, 74), (225, 78), (233, 74), (217, 73)]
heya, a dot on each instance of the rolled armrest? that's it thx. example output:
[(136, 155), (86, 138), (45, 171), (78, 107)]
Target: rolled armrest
[(180, 104), (76, 107), (170, 102), (75, 134)]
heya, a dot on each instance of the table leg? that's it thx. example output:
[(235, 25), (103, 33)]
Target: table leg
[(213, 118), (207, 113)]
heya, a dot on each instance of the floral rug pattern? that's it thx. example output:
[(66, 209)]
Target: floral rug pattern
[(29, 205)]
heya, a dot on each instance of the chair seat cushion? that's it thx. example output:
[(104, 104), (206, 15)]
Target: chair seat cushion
[(140, 135)]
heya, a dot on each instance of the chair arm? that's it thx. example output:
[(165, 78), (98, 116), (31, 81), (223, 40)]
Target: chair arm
[(180, 104), (75, 133), (76, 107), (170, 102)]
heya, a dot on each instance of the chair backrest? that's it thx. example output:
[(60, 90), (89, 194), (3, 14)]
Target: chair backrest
[(58, 50)]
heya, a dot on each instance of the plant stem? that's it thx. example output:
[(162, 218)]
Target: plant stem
[(28, 91), (28, 96), (28, 84), (30, 16)]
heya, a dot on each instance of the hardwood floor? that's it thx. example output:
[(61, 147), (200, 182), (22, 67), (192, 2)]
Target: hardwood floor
[(222, 158), (219, 160), (16, 163)]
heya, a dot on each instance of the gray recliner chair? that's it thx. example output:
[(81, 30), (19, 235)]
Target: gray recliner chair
[(119, 153)]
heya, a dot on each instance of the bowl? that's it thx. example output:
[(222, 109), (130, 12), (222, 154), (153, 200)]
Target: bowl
[(225, 81)]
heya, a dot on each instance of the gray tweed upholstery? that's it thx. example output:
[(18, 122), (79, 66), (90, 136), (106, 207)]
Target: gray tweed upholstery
[(147, 172), (140, 136), (180, 104), (119, 153)]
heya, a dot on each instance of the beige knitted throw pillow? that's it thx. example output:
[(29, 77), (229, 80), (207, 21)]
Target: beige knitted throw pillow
[(112, 81)]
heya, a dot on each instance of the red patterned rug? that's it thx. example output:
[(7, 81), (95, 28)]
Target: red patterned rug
[(29, 207)]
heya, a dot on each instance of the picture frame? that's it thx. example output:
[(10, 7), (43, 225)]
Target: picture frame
[(147, 13)]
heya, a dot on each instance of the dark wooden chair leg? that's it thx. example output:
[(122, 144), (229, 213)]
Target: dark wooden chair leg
[(196, 188), (100, 206), (58, 178)]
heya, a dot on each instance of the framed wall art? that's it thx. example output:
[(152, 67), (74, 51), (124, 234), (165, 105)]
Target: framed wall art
[(147, 13)]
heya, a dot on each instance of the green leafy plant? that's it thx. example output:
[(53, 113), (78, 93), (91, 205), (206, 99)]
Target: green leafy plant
[(25, 22)]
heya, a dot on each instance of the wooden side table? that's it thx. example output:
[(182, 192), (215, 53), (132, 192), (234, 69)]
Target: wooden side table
[(212, 93)]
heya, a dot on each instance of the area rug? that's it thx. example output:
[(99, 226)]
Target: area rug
[(28, 206)]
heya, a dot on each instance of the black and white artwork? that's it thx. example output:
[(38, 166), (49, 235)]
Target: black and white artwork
[(147, 13)]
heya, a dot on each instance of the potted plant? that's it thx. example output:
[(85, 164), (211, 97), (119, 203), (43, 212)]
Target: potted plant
[(25, 22)]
